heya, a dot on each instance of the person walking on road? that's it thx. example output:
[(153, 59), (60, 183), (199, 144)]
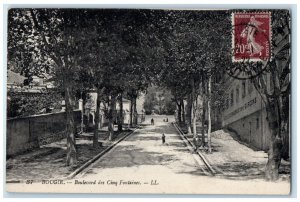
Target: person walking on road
[(163, 138), (152, 121)]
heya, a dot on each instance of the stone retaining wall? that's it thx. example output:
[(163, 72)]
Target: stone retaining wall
[(31, 132)]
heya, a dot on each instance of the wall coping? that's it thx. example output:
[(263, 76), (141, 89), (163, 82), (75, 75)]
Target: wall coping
[(40, 115)]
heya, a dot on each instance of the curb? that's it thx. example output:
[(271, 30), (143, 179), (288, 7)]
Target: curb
[(89, 162), (33, 156), (213, 172)]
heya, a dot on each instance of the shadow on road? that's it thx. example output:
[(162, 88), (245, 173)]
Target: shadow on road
[(145, 149), (137, 157)]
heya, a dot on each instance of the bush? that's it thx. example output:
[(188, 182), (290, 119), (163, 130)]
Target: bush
[(25, 104)]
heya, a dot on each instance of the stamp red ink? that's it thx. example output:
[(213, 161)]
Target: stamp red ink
[(251, 36)]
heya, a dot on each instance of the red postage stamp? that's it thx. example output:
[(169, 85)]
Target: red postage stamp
[(251, 36)]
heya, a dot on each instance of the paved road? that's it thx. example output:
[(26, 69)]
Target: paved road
[(142, 164), (143, 157)]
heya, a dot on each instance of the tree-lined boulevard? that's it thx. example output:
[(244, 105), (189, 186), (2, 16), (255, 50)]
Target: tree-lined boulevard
[(120, 53)]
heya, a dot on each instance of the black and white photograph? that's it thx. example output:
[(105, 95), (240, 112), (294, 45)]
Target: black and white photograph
[(148, 101)]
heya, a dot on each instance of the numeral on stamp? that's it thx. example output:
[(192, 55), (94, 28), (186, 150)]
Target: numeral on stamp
[(251, 36)]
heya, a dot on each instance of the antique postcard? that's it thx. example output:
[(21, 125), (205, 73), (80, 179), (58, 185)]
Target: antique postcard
[(152, 101)]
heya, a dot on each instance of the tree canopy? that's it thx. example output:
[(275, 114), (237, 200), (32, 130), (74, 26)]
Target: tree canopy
[(124, 51)]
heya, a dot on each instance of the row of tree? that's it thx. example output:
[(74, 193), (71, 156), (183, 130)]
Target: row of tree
[(108, 51), (198, 54), (119, 53), (195, 47)]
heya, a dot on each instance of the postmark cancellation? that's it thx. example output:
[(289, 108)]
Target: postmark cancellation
[(251, 36)]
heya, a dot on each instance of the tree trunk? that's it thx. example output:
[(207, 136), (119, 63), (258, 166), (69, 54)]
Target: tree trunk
[(135, 120), (131, 112), (183, 111), (286, 141), (112, 116), (203, 111), (285, 132), (70, 128), (189, 114), (275, 150), (194, 123), (203, 124), (97, 120), (179, 113), (193, 111), (82, 115), (121, 118), (208, 115)]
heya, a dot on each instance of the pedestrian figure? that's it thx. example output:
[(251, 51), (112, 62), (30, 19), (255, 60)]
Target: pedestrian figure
[(163, 138), (152, 121)]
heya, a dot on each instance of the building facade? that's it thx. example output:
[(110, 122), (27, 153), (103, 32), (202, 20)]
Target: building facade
[(90, 111), (245, 113)]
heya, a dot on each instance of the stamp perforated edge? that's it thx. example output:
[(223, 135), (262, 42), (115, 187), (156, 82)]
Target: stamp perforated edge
[(233, 37)]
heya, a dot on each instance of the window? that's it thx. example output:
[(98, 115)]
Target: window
[(237, 95), (257, 123), (227, 102), (243, 89)]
